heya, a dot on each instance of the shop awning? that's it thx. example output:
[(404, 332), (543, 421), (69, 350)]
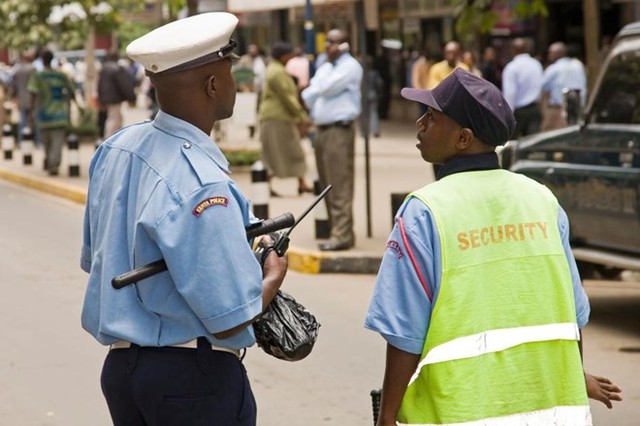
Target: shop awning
[(237, 6)]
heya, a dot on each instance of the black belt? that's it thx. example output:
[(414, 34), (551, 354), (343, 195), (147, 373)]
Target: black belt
[(343, 124), (531, 105)]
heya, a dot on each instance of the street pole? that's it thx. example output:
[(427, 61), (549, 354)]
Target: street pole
[(309, 36), (366, 106), (591, 24)]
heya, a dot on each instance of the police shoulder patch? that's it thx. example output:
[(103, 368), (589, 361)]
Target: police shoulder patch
[(395, 246), (211, 201)]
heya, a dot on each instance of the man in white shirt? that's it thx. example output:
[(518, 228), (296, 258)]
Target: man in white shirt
[(565, 74), (522, 86)]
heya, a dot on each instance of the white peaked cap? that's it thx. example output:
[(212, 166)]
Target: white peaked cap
[(185, 43)]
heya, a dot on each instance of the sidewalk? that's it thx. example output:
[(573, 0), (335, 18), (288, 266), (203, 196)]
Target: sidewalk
[(395, 167)]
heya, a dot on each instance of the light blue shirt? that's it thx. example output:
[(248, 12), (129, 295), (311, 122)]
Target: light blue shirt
[(400, 309), (522, 81), (565, 73), (161, 189), (334, 91)]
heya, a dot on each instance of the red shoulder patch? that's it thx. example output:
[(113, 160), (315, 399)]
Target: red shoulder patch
[(205, 204)]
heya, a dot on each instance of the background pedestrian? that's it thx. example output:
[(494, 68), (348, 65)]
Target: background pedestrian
[(563, 74), (115, 86), (51, 94), (469, 59), (299, 68), (283, 121), (333, 97), (20, 75), (490, 67), (253, 65), (522, 87), (376, 85), (452, 59), (420, 76)]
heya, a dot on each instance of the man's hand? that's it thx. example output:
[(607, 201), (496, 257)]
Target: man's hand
[(303, 128), (399, 368), (602, 389), (275, 266), (274, 270)]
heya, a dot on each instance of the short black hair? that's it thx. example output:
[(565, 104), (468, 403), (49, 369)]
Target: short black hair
[(47, 57), (280, 49)]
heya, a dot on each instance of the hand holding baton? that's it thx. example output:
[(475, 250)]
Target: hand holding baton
[(264, 227), (254, 230)]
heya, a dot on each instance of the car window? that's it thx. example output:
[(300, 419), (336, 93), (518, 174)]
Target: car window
[(618, 98)]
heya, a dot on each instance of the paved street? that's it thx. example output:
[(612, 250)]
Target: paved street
[(49, 367)]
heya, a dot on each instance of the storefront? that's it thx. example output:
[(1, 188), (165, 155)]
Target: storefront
[(266, 21)]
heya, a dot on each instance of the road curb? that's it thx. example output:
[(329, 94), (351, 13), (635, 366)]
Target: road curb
[(52, 188), (317, 262), (300, 259)]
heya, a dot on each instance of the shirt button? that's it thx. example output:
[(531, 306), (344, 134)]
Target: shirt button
[(186, 145)]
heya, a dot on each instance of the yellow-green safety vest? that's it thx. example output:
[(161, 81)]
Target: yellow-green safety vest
[(501, 347)]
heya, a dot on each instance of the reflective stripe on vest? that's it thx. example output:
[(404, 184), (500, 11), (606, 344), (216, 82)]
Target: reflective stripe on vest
[(502, 333), (565, 416), (495, 341)]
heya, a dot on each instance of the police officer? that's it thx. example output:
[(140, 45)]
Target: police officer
[(162, 189), (478, 295)]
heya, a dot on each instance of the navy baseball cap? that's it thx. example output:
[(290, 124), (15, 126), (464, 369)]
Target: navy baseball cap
[(472, 102)]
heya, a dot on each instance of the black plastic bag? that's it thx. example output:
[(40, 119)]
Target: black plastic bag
[(286, 330)]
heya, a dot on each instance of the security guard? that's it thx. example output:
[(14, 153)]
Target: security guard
[(478, 295), (161, 189)]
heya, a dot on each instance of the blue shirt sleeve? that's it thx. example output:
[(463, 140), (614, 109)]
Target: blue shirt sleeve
[(400, 309), (204, 244), (582, 302)]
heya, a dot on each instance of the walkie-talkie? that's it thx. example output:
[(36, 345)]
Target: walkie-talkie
[(282, 244)]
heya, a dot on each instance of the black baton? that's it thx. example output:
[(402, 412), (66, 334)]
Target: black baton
[(263, 227), (375, 404)]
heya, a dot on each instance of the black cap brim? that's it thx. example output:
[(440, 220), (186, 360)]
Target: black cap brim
[(420, 95)]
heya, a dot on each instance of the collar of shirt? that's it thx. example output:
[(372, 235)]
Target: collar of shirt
[(522, 56), (467, 163), (190, 133)]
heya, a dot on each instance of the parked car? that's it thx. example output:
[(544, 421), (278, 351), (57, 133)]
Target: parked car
[(593, 167)]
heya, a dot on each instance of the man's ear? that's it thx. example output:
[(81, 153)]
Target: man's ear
[(210, 85), (465, 138)]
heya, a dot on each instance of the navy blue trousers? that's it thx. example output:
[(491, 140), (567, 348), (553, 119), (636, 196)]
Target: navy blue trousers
[(177, 386)]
